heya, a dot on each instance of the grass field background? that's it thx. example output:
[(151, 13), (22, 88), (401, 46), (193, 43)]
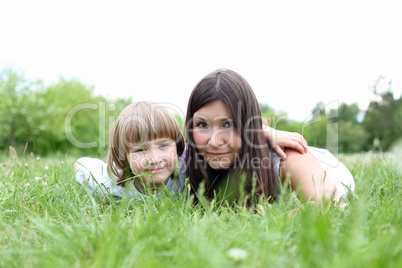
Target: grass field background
[(48, 220)]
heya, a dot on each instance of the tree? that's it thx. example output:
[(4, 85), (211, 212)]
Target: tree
[(276, 119), (352, 135), (73, 118), (383, 120), (315, 129), (348, 112), (64, 116), (16, 107)]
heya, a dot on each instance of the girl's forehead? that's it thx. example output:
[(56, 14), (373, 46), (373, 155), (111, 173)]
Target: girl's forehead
[(153, 141)]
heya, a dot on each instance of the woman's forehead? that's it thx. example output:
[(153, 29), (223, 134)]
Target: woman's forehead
[(217, 110)]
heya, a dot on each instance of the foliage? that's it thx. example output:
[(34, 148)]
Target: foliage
[(16, 108), (64, 116), (343, 129), (316, 130), (75, 119), (352, 135), (49, 220), (67, 116), (383, 121)]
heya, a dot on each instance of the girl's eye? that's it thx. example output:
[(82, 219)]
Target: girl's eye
[(139, 150), (164, 146)]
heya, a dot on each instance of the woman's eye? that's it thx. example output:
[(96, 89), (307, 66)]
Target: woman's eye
[(228, 124), (201, 125)]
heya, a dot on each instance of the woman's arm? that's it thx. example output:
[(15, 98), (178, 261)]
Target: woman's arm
[(307, 176), (280, 139)]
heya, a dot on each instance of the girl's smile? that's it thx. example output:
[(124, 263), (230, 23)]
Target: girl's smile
[(156, 170)]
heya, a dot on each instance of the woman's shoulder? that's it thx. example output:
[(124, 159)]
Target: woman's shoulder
[(295, 160)]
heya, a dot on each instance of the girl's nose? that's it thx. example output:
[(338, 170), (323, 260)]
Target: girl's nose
[(153, 157)]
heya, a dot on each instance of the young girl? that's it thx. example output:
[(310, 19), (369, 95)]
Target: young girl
[(144, 145), (226, 143)]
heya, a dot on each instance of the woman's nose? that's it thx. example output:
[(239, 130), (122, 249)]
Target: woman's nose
[(218, 139)]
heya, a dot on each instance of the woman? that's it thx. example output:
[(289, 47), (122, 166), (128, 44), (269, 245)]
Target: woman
[(226, 143)]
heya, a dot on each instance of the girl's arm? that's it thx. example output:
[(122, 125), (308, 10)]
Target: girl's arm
[(281, 139), (307, 176)]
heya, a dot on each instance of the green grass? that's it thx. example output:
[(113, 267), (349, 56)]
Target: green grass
[(51, 221)]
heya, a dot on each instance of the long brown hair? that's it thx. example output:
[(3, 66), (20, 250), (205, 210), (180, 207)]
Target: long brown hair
[(231, 88), (139, 122)]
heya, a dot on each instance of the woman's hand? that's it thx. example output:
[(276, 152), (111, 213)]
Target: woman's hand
[(280, 139)]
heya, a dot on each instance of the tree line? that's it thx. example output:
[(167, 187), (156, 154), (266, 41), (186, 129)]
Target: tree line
[(55, 118), (345, 128), (68, 117)]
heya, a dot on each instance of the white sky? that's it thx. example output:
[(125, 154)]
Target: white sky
[(293, 53)]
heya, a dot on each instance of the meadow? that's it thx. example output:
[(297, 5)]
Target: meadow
[(48, 220)]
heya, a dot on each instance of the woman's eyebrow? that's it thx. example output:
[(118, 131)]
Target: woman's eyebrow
[(200, 118), (226, 118)]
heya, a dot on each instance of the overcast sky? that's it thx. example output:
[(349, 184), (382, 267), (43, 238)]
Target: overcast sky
[(293, 53)]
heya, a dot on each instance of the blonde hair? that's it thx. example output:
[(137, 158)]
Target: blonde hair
[(139, 122)]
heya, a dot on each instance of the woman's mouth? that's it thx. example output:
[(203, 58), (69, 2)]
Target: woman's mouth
[(216, 155)]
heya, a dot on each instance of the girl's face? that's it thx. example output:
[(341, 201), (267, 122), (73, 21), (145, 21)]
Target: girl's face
[(154, 161), (214, 135)]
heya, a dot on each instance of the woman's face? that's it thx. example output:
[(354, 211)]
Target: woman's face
[(214, 135)]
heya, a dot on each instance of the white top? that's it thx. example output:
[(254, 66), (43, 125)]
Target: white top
[(336, 171)]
